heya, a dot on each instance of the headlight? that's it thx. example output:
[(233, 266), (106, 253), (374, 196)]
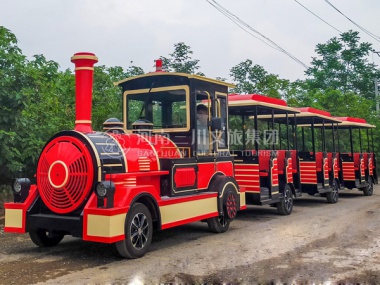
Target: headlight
[(17, 186), (20, 187), (105, 189), (101, 190)]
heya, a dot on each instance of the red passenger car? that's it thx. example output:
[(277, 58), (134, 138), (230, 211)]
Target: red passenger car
[(262, 167), (318, 160), (358, 161)]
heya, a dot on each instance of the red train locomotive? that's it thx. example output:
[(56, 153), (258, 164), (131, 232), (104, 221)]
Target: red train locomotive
[(143, 174)]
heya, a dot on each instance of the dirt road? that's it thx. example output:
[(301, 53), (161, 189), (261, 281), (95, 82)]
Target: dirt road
[(317, 243)]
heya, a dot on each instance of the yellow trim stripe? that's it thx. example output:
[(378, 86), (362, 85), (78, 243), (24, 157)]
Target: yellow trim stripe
[(96, 154), (105, 226), (84, 57), (242, 199), (187, 210), (177, 74), (83, 122), (13, 218), (84, 68)]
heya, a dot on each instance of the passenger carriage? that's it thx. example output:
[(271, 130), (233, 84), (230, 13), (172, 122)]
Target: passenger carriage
[(317, 154), (357, 159), (262, 167)]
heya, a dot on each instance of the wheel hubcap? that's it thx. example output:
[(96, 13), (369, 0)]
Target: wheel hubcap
[(231, 206), (288, 199), (335, 192), (370, 187), (139, 231)]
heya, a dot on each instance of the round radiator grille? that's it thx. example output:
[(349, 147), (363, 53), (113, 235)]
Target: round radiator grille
[(65, 174)]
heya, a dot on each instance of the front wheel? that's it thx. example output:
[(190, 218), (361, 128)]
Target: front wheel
[(138, 232), (218, 224), (44, 238), (333, 196), (285, 206), (368, 191)]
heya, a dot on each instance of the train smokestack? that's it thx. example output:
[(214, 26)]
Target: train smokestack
[(158, 65), (84, 73)]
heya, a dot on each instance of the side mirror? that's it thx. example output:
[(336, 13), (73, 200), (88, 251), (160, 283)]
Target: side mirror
[(216, 124)]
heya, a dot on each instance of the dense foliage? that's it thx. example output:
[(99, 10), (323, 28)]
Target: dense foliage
[(37, 98)]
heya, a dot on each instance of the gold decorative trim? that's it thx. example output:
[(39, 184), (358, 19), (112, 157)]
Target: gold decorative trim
[(83, 121), (112, 165), (154, 151), (75, 57), (66, 176), (96, 154), (84, 68), (122, 152), (177, 74), (258, 103), (167, 130)]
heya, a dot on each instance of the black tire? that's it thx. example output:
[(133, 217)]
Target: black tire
[(44, 238), (218, 224), (285, 206), (138, 232), (368, 191), (333, 196)]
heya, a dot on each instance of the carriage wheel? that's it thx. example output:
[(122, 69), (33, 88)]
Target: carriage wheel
[(368, 191), (285, 206), (333, 196), (138, 232)]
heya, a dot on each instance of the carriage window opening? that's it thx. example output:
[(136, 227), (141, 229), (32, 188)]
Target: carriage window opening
[(222, 113)]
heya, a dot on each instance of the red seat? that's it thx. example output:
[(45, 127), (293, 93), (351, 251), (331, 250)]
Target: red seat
[(294, 160), (365, 157), (356, 160), (281, 154), (319, 160), (264, 161)]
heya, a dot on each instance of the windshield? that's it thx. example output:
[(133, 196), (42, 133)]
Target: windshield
[(166, 109)]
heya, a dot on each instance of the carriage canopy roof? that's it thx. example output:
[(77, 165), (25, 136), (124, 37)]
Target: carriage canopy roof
[(348, 122), (247, 104)]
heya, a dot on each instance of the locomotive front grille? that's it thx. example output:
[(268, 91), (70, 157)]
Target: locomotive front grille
[(65, 174)]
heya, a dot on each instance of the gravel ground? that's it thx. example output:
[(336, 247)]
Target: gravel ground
[(318, 243)]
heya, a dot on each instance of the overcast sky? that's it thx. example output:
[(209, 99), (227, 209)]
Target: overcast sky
[(121, 31)]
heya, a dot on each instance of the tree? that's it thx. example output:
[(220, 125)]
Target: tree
[(107, 99), (342, 64), (251, 78), (12, 77), (181, 60)]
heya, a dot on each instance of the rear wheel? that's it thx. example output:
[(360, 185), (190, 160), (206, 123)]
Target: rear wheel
[(285, 206), (333, 196), (368, 191), (44, 238), (221, 224), (138, 232)]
